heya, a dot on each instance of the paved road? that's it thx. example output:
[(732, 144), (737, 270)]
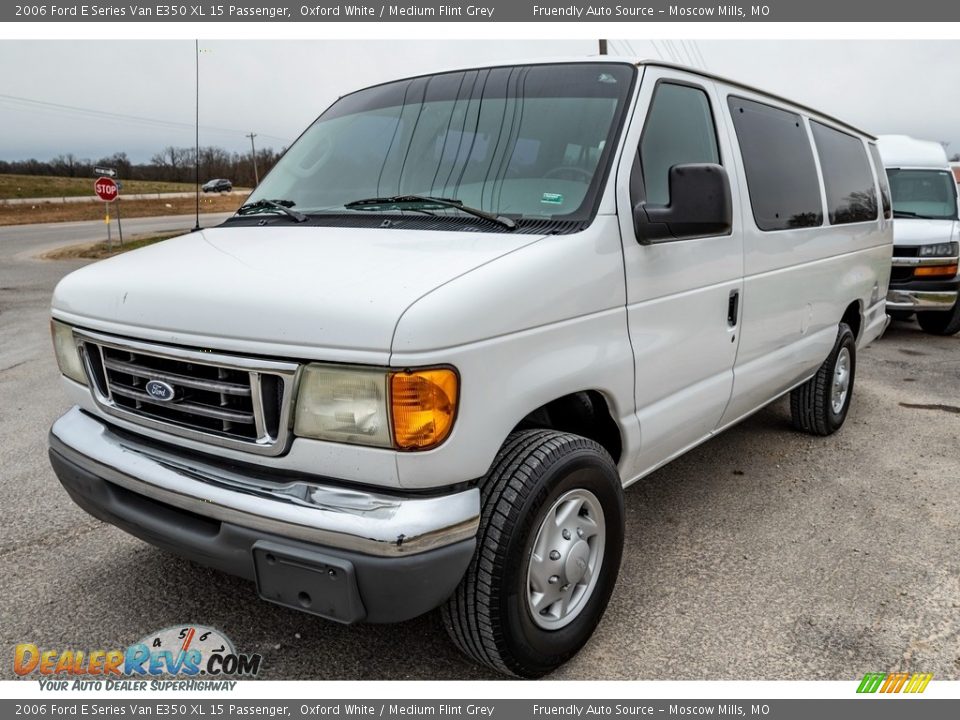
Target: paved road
[(763, 554), (92, 198), (22, 242)]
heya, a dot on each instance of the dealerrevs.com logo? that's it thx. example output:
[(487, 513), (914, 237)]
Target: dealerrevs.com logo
[(200, 658)]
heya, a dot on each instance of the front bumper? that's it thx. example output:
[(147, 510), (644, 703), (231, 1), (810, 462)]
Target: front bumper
[(921, 299), (342, 553), (922, 295)]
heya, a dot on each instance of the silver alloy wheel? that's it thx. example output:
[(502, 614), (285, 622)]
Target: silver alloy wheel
[(565, 560), (841, 381)]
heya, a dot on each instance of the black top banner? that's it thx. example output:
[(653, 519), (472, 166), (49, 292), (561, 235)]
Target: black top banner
[(485, 11)]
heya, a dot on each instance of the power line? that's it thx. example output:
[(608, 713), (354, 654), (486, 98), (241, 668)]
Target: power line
[(22, 103), (696, 46), (697, 55), (674, 55)]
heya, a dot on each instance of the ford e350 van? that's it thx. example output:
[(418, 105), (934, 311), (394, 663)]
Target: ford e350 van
[(462, 314), (926, 233)]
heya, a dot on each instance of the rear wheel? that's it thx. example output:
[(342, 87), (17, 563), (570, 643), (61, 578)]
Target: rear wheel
[(547, 558), (941, 323), (820, 405)]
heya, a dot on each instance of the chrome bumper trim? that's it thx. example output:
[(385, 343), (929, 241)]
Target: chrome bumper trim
[(922, 261), (920, 300), (337, 517)]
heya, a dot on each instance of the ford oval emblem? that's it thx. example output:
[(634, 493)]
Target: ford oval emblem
[(159, 390)]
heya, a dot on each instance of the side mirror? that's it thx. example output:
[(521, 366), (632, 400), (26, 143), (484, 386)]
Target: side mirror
[(700, 205)]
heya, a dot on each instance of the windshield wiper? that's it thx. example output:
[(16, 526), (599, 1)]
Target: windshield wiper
[(908, 214), (280, 206), (397, 201)]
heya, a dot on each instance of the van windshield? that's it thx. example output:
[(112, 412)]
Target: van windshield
[(930, 194), (521, 142)]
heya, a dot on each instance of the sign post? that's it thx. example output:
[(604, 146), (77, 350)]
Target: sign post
[(107, 190), (119, 224)]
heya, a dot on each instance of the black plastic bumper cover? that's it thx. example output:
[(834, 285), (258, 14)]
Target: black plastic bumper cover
[(336, 584)]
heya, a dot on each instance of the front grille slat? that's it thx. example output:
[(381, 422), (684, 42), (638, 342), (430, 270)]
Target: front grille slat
[(184, 407), (182, 380), (225, 400)]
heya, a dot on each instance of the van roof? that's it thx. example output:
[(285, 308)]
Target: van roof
[(906, 151), (673, 66)]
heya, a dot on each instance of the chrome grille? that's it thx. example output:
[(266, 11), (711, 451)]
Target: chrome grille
[(218, 399)]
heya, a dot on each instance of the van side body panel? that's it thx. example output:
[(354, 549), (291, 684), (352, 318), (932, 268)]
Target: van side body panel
[(797, 285)]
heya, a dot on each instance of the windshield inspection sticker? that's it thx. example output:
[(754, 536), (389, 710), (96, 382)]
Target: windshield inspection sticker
[(552, 199)]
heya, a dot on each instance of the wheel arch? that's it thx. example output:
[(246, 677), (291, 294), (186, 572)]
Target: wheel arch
[(585, 412), (853, 317)]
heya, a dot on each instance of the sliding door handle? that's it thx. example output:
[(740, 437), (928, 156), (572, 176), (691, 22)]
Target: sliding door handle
[(733, 308)]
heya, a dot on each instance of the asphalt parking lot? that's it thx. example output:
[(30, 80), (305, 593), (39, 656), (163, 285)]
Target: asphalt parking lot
[(763, 554)]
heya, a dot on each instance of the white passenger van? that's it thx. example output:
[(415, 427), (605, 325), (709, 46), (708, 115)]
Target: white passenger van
[(925, 233), (459, 317)]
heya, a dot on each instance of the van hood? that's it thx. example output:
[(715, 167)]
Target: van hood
[(307, 287), (918, 231)]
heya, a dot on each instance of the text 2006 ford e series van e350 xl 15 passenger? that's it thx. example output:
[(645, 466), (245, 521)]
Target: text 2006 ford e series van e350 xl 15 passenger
[(463, 312)]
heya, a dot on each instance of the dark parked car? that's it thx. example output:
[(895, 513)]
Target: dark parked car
[(218, 185)]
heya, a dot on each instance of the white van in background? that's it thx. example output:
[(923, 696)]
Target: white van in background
[(926, 232), (462, 313)]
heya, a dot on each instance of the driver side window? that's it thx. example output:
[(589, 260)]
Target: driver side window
[(679, 130)]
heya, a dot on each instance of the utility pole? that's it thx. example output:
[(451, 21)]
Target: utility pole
[(196, 165), (253, 151), (603, 47)]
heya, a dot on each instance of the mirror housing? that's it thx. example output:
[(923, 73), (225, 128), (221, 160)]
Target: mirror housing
[(700, 206)]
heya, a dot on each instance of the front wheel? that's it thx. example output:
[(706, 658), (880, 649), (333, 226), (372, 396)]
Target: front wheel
[(820, 405), (941, 323), (548, 553)]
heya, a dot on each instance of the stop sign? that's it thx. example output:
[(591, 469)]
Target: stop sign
[(106, 189)]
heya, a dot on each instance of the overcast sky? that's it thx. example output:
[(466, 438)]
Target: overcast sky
[(61, 96)]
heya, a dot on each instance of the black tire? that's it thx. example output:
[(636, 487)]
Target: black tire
[(488, 617), (811, 406), (941, 323)]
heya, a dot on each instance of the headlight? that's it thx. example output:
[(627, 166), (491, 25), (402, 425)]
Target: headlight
[(68, 356), (407, 410), (949, 249), (344, 405)]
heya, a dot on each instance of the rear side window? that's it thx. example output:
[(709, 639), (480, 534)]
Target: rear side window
[(851, 194), (882, 180), (679, 130), (778, 161)]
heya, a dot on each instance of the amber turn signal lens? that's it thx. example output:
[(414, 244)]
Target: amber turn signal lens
[(936, 271), (423, 404)]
